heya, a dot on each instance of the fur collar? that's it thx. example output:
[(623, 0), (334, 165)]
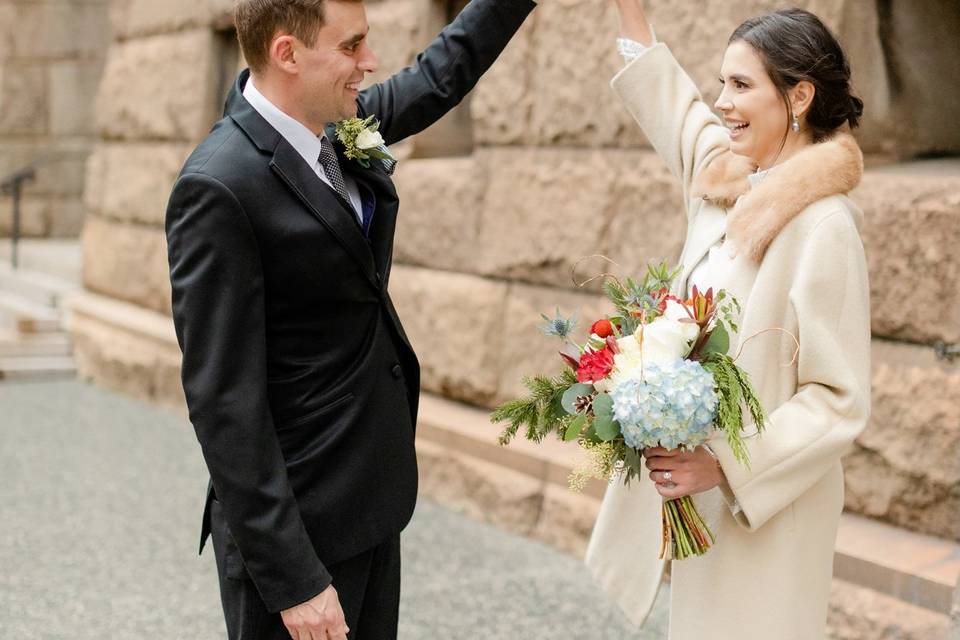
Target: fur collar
[(828, 168)]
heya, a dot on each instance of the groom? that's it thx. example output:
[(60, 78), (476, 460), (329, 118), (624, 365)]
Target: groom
[(301, 384)]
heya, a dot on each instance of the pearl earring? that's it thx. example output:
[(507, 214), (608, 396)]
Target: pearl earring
[(796, 124)]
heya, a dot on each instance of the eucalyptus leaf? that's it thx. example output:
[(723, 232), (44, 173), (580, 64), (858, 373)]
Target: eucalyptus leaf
[(574, 428), (570, 396), (718, 342), (607, 428), (603, 405)]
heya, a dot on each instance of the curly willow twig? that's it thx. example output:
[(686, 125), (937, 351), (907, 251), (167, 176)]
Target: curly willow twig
[(796, 352), (573, 271)]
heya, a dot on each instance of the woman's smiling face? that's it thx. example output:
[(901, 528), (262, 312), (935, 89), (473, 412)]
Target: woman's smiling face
[(752, 107)]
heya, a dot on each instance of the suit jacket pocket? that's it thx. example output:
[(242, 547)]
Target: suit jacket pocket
[(328, 407)]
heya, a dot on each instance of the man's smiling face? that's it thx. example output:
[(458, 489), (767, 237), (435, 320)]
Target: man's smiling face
[(333, 68)]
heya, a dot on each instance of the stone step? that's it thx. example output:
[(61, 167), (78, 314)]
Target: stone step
[(32, 367), (14, 345), (42, 288), (60, 258), (917, 569), (27, 316)]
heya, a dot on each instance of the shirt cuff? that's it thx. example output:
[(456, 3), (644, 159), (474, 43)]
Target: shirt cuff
[(630, 50)]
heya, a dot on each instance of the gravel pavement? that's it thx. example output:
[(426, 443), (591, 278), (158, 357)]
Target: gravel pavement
[(100, 500)]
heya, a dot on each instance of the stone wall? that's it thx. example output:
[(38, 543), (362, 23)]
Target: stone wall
[(550, 170), (51, 58)]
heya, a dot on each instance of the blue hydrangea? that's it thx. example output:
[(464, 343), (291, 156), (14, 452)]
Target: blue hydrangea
[(676, 405)]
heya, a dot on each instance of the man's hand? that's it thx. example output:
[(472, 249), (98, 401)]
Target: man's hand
[(682, 473), (319, 618)]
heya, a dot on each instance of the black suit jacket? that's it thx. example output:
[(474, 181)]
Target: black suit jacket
[(300, 382)]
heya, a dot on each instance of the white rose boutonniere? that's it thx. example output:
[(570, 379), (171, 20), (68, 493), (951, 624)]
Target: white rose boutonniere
[(362, 141)]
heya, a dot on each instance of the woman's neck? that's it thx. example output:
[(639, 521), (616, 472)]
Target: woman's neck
[(794, 143)]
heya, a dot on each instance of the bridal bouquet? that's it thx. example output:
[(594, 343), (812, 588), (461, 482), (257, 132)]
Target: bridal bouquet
[(656, 373)]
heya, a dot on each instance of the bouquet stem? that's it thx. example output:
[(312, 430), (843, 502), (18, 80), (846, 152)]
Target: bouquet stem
[(685, 533)]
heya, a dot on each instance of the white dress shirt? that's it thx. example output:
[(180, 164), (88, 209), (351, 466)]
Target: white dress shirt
[(306, 143)]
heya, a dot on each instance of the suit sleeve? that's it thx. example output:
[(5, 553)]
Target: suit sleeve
[(667, 105), (446, 71), (218, 311), (811, 431)]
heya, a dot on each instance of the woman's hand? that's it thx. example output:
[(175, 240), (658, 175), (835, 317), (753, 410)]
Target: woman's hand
[(679, 473), (633, 22)]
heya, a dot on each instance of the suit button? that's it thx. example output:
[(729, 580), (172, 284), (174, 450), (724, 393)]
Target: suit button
[(396, 371)]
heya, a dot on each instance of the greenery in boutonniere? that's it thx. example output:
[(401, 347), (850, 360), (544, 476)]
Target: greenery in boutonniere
[(362, 141)]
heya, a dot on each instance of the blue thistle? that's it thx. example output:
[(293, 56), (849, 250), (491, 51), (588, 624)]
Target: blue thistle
[(558, 326)]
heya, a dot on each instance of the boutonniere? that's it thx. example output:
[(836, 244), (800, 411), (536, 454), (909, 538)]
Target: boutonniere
[(362, 141)]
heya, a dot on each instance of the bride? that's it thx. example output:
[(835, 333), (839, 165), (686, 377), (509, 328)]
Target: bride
[(767, 220)]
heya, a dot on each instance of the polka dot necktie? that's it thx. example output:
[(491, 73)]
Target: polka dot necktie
[(331, 167)]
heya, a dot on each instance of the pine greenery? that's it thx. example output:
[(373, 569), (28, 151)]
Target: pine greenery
[(540, 412), (734, 390)]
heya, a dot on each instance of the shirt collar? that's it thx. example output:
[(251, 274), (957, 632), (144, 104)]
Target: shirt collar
[(306, 143)]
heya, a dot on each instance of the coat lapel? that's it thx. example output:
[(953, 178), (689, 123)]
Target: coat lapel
[(384, 222), (709, 227), (328, 207), (321, 201)]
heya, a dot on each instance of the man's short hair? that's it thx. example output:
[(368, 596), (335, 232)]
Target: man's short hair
[(258, 21)]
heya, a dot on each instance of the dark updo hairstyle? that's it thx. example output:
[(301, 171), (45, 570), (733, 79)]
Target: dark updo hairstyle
[(795, 45)]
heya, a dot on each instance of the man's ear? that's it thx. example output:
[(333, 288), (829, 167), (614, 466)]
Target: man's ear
[(283, 54), (801, 97)]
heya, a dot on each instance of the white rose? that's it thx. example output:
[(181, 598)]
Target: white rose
[(665, 340), (369, 139)]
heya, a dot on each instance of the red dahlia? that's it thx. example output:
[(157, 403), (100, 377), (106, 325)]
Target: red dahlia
[(595, 365)]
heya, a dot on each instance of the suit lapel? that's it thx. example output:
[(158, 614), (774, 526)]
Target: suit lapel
[(384, 223), (328, 207)]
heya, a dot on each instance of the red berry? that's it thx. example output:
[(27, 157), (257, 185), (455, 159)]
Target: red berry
[(602, 328)]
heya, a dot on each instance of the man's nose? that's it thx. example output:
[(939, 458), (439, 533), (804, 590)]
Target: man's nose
[(368, 61)]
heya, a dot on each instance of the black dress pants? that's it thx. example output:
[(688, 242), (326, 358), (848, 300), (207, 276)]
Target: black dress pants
[(368, 586)]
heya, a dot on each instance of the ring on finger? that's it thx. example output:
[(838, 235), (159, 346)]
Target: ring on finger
[(667, 476)]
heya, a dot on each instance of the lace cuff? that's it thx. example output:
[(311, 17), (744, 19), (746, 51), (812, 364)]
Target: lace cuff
[(630, 50)]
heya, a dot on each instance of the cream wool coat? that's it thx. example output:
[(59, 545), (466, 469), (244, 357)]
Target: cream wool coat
[(799, 265)]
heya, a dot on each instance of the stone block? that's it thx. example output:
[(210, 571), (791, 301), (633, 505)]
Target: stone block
[(398, 32), (524, 349), (73, 89), (484, 491), (566, 520), (23, 99), (911, 231), (648, 224), (59, 30), (905, 467), (502, 102), (132, 181), (113, 351), (440, 212), (455, 323), (137, 18), (546, 209), (66, 217), (857, 613), (127, 262), (34, 216), (8, 16), (574, 57), (161, 87)]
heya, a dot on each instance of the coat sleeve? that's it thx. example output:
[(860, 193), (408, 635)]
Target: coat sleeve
[(419, 95), (667, 105), (810, 432), (218, 311)]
